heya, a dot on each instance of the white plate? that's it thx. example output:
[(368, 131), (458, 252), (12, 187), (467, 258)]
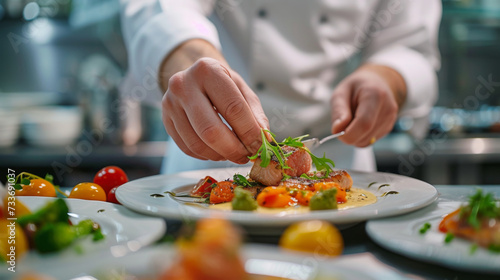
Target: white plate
[(258, 259), (401, 235), (125, 232), (413, 194)]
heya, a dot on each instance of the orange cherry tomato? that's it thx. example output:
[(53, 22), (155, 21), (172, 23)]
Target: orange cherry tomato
[(275, 197), (304, 197), (37, 187), (90, 191)]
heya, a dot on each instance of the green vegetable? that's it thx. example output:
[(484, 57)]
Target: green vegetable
[(240, 180), (494, 248), (449, 237), (480, 206), (243, 200), (54, 212), (425, 228), (56, 236), (324, 199), (269, 149)]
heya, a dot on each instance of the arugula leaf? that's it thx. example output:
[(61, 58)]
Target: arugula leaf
[(323, 164), (240, 180), (294, 142), (269, 149)]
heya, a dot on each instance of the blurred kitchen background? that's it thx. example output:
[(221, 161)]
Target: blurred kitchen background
[(61, 111)]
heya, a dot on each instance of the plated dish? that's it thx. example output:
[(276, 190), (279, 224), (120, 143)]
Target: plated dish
[(125, 231), (395, 195), (421, 235)]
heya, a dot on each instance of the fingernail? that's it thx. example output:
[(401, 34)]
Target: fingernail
[(335, 124)]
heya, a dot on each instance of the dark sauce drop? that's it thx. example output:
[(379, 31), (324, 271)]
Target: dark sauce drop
[(157, 195), (100, 210), (383, 185), (389, 192)]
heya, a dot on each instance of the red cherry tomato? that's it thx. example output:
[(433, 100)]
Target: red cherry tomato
[(112, 196), (110, 177), (204, 187)]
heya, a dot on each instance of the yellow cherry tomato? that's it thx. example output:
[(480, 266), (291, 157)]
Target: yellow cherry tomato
[(37, 187), (12, 235), (318, 237), (90, 191)]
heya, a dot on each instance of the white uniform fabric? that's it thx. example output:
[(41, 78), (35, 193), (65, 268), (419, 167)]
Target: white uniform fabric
[(292, 53)]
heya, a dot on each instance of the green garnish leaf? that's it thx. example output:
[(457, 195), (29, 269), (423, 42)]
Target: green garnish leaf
[(18, 187), (240, 180), (425, 228), (269, 149), (449, 237), (25, 181), (480, 206), (323, 164)]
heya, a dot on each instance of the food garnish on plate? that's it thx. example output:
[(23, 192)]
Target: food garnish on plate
[(477, 221), (282, 177), (46, 230)]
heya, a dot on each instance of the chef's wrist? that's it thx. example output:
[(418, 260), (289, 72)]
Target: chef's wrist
[(185, 55), (394, 80)]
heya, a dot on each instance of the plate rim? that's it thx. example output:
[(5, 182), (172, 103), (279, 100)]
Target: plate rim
[(238, 216), (373, 228)]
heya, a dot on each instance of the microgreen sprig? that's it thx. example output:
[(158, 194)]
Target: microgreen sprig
[(480, 205), (269, 149), (24, 178)]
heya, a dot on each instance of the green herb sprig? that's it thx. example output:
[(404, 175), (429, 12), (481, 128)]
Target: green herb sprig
[(480, 206), (269, 149)]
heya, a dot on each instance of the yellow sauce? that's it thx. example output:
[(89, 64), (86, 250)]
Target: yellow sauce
[(355, 198)]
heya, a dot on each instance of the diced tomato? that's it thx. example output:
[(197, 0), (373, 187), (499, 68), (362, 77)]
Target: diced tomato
[(341, 193), (203, 187), (304, 197), (223, 192), (276, 197)]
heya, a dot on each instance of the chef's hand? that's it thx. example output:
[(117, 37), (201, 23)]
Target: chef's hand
[(191, 106), (366, 103)]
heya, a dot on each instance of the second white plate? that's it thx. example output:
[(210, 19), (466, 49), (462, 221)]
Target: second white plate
[(139, 195), (125, 232), (401, 235)]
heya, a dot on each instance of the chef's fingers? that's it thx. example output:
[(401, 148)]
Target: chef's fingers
[(340, 103), (367, 102), (178, 127), (253, 101), (185, 92), (230, 102)]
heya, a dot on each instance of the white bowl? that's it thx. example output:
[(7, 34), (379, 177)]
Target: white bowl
[(52, 125)]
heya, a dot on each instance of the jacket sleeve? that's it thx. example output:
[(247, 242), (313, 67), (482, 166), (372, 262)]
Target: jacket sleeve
[(403, 36), (153, 28)]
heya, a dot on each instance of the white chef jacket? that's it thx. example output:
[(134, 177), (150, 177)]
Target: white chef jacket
[(292, 53)]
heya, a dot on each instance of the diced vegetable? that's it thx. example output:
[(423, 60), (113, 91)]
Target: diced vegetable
[(324, 200), (223, 192), (243, 200), (203, 187), (341, 195), (276, 197)]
